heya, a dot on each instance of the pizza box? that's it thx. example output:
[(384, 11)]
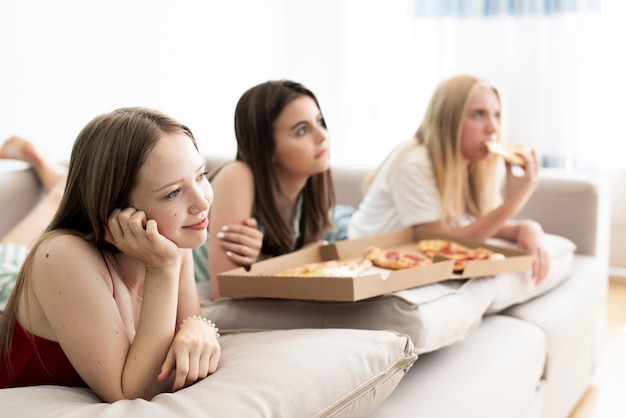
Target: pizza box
[(261, 281)]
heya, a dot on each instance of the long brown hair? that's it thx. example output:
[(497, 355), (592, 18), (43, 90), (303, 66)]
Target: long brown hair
[(104, 163), (255, 114)]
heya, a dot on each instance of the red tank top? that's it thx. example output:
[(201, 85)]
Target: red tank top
[(39, 361)]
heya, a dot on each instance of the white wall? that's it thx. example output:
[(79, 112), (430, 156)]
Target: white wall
[(64, 62)]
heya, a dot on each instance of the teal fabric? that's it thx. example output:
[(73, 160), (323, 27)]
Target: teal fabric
[(341, 215), (201, 263), (12, 257)]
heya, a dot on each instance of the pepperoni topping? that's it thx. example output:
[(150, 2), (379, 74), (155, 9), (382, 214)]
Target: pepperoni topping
[(392, 255)]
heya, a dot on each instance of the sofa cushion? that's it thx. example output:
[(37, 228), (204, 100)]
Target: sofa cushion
[(297, 373), (570, 316), (514, 288), (434, 316), (494, 373)]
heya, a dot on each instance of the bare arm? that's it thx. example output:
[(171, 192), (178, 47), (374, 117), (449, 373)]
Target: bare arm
[(233, 190), (190, 362), (117, 359), (82, 315)]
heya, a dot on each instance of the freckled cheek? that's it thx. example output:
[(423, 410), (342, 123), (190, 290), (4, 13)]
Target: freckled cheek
[(166, 223)]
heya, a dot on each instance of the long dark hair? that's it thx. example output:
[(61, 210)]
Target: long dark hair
[(255, 114)]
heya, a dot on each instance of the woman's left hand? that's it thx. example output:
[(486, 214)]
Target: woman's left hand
[(193, 355), (529, 238), (242, 243)]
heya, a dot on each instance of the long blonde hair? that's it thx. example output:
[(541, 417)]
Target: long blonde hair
[(103, 168), (464, 189)]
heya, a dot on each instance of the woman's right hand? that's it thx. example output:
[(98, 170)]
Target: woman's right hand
[(519, 188), (136, 236), (193, 355), (242, 243)]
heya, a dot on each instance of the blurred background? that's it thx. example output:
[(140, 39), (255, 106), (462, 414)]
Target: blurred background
[(373, 64)]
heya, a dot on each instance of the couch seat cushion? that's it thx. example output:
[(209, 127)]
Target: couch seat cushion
[(494, 373)]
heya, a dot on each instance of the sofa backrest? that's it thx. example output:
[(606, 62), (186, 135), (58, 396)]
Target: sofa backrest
[(347, 181), (574, 206)]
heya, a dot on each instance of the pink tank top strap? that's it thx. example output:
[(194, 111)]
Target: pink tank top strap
[(109, 270)]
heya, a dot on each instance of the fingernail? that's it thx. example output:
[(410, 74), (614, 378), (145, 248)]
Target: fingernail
[(225, 228), (229, 254), (220, 235)]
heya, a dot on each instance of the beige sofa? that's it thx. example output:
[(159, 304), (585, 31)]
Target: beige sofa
[(531, 359)]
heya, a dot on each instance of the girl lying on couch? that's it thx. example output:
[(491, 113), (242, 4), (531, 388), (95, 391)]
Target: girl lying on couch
[(242, 241), (107, 292)]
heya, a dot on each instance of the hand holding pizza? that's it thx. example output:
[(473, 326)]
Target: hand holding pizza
[(519, 188)]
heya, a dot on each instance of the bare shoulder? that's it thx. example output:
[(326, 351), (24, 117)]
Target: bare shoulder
[(236, 172), (63, 243), (64, 252), (233, 191)]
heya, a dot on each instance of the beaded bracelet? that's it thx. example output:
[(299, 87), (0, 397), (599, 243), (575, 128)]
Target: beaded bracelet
[(205, 320)]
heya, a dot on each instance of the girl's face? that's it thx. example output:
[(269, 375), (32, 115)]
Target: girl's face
[(173, 190), (482, 123), (301, 140)]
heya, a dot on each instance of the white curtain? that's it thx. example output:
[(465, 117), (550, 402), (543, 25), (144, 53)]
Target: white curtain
[(553, 61), (372, 63)]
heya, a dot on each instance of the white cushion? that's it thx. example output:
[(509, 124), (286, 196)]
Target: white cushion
[(494, 373), (297, 373), (514, 288)]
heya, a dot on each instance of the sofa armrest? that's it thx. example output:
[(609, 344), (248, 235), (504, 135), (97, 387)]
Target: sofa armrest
[(19, 192), (573, 206)]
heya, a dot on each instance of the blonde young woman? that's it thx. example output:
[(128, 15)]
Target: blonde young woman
[(106, 297), (445, 179), (281, 175)]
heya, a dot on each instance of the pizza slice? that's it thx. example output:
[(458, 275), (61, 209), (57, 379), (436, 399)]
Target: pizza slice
[(333, 268), (455, 251), (395, 260), (507, 151)]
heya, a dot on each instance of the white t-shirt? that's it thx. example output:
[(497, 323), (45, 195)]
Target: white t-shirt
[(404, 193)]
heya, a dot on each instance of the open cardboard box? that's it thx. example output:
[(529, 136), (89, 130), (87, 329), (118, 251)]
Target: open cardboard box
[(261, 280)]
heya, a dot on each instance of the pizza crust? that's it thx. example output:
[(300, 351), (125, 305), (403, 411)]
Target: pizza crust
[(507, 151), (334, 268)]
